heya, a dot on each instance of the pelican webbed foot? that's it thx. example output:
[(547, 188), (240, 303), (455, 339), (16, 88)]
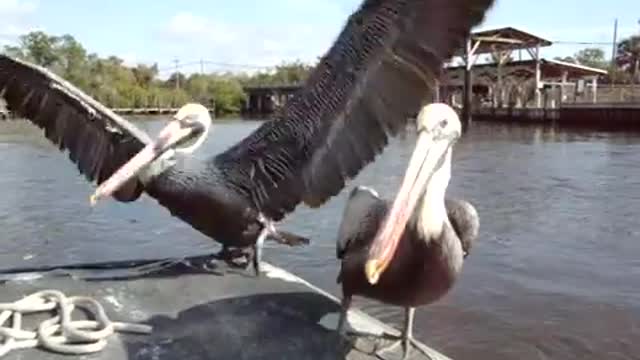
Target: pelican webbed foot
[(406, 338), (235, 257), (406, 345)]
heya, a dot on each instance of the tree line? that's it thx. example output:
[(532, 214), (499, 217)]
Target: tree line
[(116, 85), (625, 67)]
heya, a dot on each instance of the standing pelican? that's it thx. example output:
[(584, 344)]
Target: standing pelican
[(379, 71), (412, 252)]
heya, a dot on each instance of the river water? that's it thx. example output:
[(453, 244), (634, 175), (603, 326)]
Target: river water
[(555, 273)]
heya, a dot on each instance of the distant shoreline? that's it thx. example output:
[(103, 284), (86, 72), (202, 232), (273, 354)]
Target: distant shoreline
[(143, 116)]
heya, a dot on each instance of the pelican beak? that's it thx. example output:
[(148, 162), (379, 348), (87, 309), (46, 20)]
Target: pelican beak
[(175, 132), (428, 155)]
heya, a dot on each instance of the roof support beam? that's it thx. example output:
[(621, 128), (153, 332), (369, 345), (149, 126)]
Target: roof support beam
[(496, 39), (502, 57), (535, 55), (468, 87), (594, 89)]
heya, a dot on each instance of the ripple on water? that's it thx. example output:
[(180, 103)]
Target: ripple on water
[(554, 275)]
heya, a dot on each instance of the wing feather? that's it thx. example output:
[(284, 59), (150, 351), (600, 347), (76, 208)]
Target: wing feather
[(379, 72), (361, 218), (97, 140)]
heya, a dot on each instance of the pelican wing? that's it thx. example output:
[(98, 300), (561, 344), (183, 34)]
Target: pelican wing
[(361, 218), (378, 73), (98, 140), (463, 217)]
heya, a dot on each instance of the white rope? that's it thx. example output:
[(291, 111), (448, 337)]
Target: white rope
[(59, 333)]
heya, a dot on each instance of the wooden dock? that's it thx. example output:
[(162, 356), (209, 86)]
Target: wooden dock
[(600, 115), (144, 111), (4, 113), (151, 111), (198, 313)]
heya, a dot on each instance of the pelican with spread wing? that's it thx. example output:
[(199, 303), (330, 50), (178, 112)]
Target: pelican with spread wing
[(376, 75)]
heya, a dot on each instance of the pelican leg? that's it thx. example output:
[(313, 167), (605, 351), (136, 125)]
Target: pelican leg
[(257, 253), (268, 229), (406, 339), (346, 303)]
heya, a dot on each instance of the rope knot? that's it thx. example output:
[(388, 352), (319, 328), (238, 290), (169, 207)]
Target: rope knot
[(60, 333)]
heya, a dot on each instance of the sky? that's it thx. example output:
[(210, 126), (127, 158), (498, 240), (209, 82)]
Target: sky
[(248, 34)]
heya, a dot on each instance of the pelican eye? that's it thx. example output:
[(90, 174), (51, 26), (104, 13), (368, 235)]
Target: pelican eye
[(189, 119), (443, 123)]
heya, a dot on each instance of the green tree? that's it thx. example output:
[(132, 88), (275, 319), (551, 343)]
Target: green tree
[(592, 57), (176, 77), (284, 74), (228, 95), (110, 81), (568, 59), (71, 60), (145, 74), (36, 47), (628, 56)]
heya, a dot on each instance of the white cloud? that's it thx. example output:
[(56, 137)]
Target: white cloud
[(304, 36), (130, 59), (17, 7), (14, 19), (188, 26)]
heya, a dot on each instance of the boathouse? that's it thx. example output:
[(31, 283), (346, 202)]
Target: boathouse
[(533, 89), (515, 84), (509, 82), (263, 101)]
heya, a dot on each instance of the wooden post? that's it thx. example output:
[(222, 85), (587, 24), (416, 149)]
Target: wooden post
[(537, 59), (259, 104), (563, 96), (468, 90), (502, 56)]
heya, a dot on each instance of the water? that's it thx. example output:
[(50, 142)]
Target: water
[(555, 275)]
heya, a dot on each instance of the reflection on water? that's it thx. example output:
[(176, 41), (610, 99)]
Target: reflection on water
[(555, 274)]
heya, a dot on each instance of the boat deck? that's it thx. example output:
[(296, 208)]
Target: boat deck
[(197, 314)]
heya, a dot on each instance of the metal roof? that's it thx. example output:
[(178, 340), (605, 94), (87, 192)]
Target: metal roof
[(502, 39), (548, 69)]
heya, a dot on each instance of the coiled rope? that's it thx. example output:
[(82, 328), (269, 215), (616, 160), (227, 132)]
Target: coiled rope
[(59, 333)]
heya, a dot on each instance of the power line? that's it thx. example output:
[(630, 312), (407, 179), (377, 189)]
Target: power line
[(202, 62), (240, 65), (560, 42), (181, 65), (177, 75)]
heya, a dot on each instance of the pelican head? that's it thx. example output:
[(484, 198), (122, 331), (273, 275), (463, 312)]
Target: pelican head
[(186, 131), (189, 128), (438, 129)]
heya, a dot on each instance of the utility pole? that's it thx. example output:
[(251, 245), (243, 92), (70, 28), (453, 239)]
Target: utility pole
[(201, 66), (176, 61), (614, 49)]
